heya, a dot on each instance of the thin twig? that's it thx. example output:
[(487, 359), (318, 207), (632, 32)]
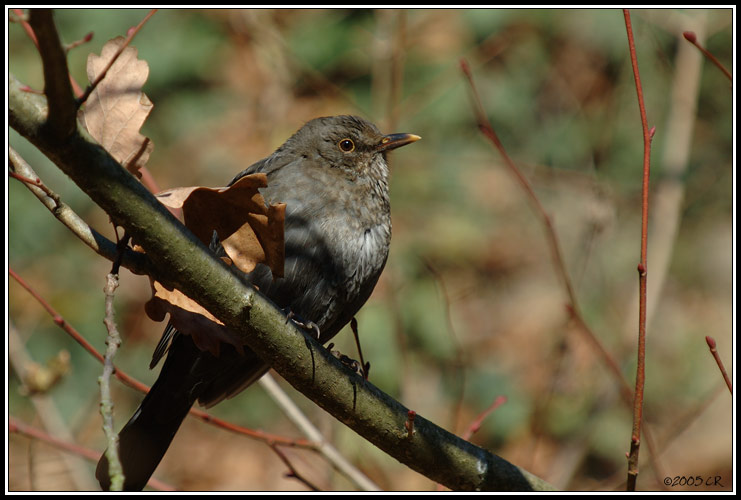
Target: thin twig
[(635, 441), (324, 447), (476, 424), (37, 183), (77, 43), (136, 262), (19, 427), (692, 38), (458, 352), (409, 424), (293, 472), (113, 341), (132, 33), (558, 261), (719, 362), (576, 316), (23, 20)]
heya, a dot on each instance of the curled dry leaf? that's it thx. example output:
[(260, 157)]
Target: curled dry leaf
[(190, 318), (250, 231), (117, 108)]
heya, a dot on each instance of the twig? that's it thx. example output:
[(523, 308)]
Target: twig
[(23, 20), (692, 38), (132, 33), (668, 192), (459, 355), (581, 325), (558, 262), (251, 433), (37, 183), (476, 424), (136, 262), (113, 341), (82, 41), (635, 441), (19, 427), (409, 424), (714, 352), (320, 443), (15, 425), (293, 472)]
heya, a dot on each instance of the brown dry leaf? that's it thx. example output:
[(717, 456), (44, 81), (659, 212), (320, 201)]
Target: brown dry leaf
[(189, 318), (250, 231), (115, 111)]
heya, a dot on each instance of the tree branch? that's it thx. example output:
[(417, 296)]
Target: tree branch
[(62, 107)]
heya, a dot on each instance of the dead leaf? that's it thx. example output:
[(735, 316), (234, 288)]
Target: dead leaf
[(250, 231), (190, 318), (117, 108)]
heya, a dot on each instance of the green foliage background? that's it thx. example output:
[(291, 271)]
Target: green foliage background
[(469, 307)]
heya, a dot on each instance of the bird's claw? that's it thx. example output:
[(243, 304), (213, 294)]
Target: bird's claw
[(353, 364), (309, 326)]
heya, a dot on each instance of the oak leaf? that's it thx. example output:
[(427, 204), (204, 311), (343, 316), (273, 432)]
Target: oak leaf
[(249, 230), (117, 108)]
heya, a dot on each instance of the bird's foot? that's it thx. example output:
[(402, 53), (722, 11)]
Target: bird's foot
[(309, 326), (353, 364)]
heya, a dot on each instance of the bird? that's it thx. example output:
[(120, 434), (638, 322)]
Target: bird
[(333, 176)]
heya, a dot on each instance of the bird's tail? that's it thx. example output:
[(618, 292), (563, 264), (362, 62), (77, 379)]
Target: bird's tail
[(145, 438)]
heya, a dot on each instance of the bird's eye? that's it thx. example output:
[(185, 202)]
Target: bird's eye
[(346, 145)]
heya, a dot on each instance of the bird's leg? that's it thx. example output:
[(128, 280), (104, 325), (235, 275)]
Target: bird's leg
[(297, 320), (353, 364)]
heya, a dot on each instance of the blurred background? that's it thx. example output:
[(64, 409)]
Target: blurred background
[(470, 306)]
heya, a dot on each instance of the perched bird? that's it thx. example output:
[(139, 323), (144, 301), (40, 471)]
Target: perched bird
[(333, 176)]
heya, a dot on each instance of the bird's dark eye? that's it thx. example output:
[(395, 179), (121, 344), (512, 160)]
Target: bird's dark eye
[(346, 145)]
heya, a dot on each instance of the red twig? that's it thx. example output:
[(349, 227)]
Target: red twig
[(558, 262), (714, 352), (35, 182), (148, 180), (143, 388), (635, 441), (270, 439), (16, 426), (409, 424), (476, 424), (23, 20), (77, 43), (581, 325), (131, 34), (292, 470), (692, 38)]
